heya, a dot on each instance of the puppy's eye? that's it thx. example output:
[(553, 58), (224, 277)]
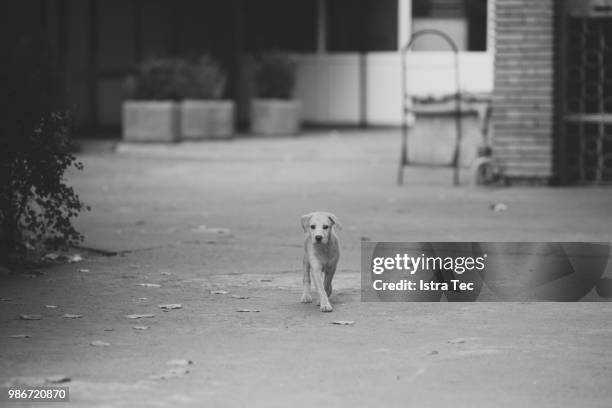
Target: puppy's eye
[(325, 226), (312, 227)]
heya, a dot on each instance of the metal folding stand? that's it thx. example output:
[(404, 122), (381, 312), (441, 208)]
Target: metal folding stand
[(406, 105)]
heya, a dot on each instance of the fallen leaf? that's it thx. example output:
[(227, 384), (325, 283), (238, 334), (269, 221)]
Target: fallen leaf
[(140, 316), (498, 207), (343, 322), (99, 343), (149, 285), (219, 292), (51, 306), (30, 317), (57, 379), (50, 257), (140, 327), (75, 258), (19, 336), (248, 310), (240, 297), (179, 362), (72, 316), (171, 306), (109, 329)]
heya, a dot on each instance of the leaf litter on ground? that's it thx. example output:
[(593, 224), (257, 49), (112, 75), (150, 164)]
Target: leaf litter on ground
[(36, 381), (171, 306), (75, 258), (58, 379), (343, 322), (30, 317), (140, 316), (149, 285)]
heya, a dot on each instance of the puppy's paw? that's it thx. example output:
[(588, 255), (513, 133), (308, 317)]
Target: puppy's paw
[(326, 307), (306, 298)]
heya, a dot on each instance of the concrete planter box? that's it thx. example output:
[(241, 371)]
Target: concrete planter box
[(432, 138), (275, 117), (150, 121), (207, 119)]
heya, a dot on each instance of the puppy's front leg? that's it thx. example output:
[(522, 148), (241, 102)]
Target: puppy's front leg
[(327, 282), (306, 298), (315, 273)]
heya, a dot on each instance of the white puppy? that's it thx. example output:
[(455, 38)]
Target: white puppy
[(321, 253)]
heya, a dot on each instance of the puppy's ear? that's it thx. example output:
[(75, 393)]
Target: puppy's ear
[(334, 220), (305, 220)]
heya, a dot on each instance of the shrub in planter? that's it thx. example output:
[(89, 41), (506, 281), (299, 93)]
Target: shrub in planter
[(203, 113), (152, 113), (36, 205), (273, 111)]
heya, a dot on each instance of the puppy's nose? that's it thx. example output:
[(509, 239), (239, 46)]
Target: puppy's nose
[(318, 238)]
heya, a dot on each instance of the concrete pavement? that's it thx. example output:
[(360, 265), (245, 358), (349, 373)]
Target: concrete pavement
[(224, 216)]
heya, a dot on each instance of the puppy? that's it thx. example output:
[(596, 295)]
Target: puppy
[(321, 254)]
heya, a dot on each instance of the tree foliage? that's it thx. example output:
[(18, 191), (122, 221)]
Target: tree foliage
[(36, 205)]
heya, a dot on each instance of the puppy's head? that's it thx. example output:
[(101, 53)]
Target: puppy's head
[(319, 226)]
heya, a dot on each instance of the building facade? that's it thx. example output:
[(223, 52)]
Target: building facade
[(347, 50), (545, 63)]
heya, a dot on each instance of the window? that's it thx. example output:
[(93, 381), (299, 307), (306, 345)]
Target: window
[(280, 25), (361, 25), (465, 21)]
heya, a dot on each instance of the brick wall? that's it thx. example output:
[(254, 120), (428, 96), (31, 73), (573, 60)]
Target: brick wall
[(523, 108)]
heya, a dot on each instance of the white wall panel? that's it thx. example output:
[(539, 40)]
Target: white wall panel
[(329, 84)]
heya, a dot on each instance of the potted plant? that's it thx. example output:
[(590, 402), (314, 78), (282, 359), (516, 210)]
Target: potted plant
[(204, 114), (273, 111), (151, 113)]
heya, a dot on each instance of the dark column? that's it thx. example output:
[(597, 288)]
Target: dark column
[(92, 64)]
